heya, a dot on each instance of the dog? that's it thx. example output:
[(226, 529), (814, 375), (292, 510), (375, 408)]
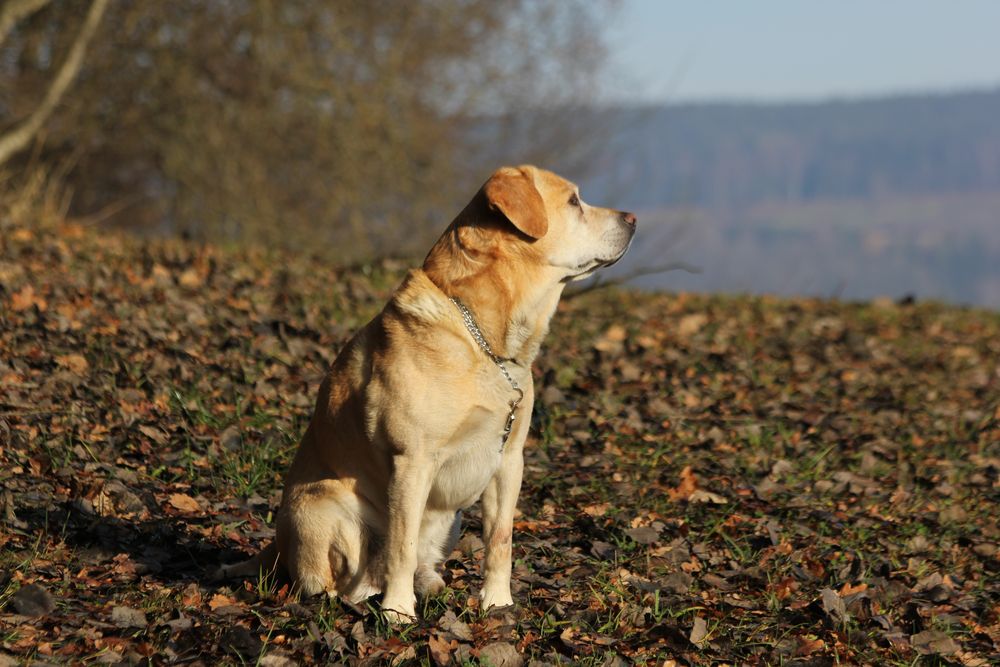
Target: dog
[(426, 409)]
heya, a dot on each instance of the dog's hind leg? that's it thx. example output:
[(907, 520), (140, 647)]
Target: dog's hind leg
[(321, 532), (438, 535), (304, 532), (357, 576)]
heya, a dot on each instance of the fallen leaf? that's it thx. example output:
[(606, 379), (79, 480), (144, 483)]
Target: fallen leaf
[(33, 600), (687, 486), (127, 617), (613, 339), (459, 629), (833, 605), (154, 434), (440, 650), (25, 299), (691, 324), (76, 363), (597, 509), (701, 496), (699, 632), (190, 278), (500, 654), (809, 645), (184, 502), (405, 657), (931, 642), (643, 535), (191, 596), (219, 600), (676, 582), (848, 589)]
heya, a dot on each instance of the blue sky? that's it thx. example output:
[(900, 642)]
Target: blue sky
[(800, 49)]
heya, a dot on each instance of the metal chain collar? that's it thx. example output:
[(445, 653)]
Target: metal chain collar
[(477, 335)]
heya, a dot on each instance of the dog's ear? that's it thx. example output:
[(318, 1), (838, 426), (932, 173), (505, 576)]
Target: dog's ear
[(512, 193)]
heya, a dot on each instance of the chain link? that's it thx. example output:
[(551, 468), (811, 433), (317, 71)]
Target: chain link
[(477, 335)]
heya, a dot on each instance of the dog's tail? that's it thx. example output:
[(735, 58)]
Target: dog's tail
[(264, 563)]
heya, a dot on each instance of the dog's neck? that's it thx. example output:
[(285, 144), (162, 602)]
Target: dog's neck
[(512, 310)]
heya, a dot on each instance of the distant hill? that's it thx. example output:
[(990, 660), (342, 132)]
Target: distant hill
[(732, 155), (897, 196)]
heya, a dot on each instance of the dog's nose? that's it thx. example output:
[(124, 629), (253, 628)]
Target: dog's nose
[(629, 218)]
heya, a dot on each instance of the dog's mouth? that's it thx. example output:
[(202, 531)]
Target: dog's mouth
[(596, 265), (584, 269), (611, 262), (605, 263)]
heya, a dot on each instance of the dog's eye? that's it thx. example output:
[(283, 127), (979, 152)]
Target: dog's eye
[(574, 200)]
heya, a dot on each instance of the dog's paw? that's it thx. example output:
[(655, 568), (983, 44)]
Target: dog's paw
[(400, 609), (397, 617), (490, 598), (365, 590), (309, 585), (427, 582)]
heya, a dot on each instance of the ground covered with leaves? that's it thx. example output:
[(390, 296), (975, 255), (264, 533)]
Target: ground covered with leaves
[(709, 479)]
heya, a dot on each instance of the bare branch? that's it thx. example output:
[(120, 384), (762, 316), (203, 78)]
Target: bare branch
[(22, 134), (15, 10)]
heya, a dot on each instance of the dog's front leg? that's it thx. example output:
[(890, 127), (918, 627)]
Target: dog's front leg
[(499, 501), (408, 489)]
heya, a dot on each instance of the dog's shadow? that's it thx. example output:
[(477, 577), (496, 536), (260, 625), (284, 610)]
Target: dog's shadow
[(167, 549), (151, 544)]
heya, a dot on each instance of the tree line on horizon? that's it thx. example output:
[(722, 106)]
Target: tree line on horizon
[(728, 156)]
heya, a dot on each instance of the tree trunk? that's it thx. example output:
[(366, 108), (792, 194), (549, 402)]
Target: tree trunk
[(21, 135)]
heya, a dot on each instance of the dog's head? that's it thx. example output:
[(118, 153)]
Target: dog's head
[(525, 229), (540, 217), (523, 236)]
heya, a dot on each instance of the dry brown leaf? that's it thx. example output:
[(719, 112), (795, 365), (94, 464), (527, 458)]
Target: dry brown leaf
[(612, 339), (848, 589), (75, 363), (219, 600), (700, 496), (25, 299), (190, 278), (191, 596), (699, 632), (809, 645), (184, 503), (154, 434), (597, 509), (785, 587), (688, 485), (690, 324), (440, 649)]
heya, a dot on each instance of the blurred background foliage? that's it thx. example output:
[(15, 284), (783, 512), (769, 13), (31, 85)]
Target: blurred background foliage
[(357, 128)]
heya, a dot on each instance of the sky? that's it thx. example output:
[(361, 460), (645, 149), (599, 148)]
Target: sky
[(800, 50)]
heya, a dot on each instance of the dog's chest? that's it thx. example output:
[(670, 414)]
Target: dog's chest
[(474, 453), (463, 476)]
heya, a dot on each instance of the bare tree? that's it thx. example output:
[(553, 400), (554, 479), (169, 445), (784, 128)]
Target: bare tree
[(340, 125), (21, 135)]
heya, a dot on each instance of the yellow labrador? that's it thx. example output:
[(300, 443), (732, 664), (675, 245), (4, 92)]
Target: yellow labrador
[(427, 408)]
